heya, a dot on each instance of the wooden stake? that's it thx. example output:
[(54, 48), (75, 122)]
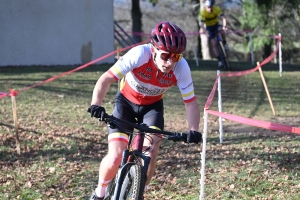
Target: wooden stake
[(14, 107), (118, 53), (266, 87), (118, 57)]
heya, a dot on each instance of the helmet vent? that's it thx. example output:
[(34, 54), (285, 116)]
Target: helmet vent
[(177, 42), (163, 41)]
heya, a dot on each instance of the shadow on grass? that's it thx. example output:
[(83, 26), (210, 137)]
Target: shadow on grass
[(208, 65), (73, 87), (33, 149), (56, 69), (203, 65), (267, 145)]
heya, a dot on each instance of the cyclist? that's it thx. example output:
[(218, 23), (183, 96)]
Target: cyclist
[(150, 69), (210, 24)]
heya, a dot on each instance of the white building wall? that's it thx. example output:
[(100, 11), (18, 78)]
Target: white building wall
[(55, 32)]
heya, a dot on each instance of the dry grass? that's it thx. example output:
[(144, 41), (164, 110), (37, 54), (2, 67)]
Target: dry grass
[(62, 146)]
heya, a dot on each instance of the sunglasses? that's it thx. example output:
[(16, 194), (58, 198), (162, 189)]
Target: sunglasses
[(167, 56)]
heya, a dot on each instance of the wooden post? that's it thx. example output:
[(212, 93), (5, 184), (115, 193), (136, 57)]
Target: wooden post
[(118, 57), (14, 107), (118, 53), (266, 87)]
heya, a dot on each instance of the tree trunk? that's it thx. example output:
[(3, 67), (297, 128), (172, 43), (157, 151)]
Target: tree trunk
[(199, 43), (265, 5), (267, 51), (204, 41), (205, 46), (136, 16)]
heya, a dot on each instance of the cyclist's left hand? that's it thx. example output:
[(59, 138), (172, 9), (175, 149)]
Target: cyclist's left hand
[(194, 137), (225, 28)]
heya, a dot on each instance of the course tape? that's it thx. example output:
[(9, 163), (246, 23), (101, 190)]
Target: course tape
[(198, 33), (186, 33), (4, 94), (15, 92), (239, 73), (244, 120), (257, 123)]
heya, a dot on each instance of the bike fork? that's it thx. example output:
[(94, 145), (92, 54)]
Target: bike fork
[(120, 177)]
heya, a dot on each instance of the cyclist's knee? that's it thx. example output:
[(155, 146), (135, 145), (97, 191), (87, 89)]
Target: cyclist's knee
[(114, 158), (115, 151)]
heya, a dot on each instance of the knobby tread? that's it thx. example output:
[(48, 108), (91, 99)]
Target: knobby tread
[(134, 183)]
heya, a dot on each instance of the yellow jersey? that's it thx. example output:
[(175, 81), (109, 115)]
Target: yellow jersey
[(210, 19)]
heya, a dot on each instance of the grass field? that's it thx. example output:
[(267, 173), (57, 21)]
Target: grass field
[(61, 145)]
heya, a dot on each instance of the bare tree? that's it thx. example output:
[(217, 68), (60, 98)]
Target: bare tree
[(206, 55), (136, 15)]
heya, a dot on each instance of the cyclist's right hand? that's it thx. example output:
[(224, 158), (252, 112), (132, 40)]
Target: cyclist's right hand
[(97, 111)]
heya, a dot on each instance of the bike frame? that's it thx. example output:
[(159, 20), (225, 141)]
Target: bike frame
[(134, 151), (222, 51), (128, 159)]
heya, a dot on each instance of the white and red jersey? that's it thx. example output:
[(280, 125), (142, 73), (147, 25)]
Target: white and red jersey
[(144, 83)]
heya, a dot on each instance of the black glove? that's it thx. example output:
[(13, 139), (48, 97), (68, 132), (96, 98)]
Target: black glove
[(194, 137), (97, 111)]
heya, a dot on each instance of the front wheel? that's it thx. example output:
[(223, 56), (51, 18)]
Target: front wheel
[(134, 183), (109, 192)]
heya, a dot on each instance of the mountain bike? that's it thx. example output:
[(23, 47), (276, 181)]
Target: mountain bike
[(129, 183), (223, 53)]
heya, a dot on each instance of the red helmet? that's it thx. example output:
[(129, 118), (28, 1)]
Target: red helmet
[(168, 37)]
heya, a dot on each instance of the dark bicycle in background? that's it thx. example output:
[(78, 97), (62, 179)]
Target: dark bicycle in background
[(129, 183), (224, 54)]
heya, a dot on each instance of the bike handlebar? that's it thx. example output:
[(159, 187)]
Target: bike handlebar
[(116, 122)]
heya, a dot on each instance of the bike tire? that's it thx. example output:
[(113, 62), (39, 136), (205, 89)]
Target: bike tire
[(133, 184), (224, 56), (109, 191)]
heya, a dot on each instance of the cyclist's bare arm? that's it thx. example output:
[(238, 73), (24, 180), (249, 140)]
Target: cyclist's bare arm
[(224, 22), (101, 88), (193, 115)]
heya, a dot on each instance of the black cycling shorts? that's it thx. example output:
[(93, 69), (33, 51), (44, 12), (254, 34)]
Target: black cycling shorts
[(212, 31), (152, 115)]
